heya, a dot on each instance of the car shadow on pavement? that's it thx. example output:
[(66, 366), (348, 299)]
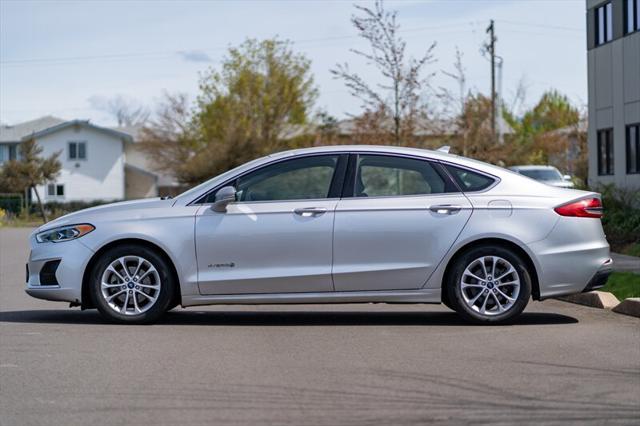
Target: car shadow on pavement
[(280, 318)]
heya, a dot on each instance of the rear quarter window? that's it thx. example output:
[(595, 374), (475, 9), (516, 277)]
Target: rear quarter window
[(468, 180)]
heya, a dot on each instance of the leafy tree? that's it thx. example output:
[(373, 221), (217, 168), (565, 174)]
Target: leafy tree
[(549, 133), (397, 103), (30, 171), (244, 109), (262, 89), (553, 111), (474, 136)]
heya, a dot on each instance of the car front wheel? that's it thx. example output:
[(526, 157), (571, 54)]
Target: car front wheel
[(132, 284), (489, 285)]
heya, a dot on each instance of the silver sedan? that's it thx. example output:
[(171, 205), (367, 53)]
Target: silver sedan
[(330, 225)]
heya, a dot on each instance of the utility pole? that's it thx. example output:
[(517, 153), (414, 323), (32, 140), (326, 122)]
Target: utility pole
[(491, 47), (499, 121)]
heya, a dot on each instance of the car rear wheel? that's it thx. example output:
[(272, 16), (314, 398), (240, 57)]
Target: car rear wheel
[(489, 285), (132, 284)]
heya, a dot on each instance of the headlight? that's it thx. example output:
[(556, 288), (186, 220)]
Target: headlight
[(64, 233)]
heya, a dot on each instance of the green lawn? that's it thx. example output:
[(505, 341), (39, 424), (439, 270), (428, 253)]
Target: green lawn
[(623, 285), (632, 250)]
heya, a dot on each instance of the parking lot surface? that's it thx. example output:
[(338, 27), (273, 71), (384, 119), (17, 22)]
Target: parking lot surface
[(314, 364)]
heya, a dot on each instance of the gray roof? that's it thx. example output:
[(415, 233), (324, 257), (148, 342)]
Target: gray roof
[(84, 123), (434, 127), (424, 127), (580, 127), (47, 125), (17, 132)]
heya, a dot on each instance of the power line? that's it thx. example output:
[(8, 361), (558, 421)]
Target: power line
[(75, 59), (551, 27)]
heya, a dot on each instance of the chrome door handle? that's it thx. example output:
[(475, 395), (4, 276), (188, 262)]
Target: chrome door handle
[(445, 209), (310, 211)]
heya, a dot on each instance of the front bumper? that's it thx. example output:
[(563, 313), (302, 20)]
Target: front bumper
[(66, 282)]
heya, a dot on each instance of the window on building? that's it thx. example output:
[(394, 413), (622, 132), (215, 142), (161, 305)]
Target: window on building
[(77, 150), (631, 16), (633, 149), (55, 190), (13, 152), (605, 152), (604, 24)]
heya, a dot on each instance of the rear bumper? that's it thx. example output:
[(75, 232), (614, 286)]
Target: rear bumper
[(600, 278), (568, 260)]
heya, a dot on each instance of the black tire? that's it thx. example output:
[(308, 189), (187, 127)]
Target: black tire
[(473, 314), (173, 305), (164, 295), (446, 302)]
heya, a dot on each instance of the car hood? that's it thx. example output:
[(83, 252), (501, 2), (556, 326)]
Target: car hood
[(95, 213)]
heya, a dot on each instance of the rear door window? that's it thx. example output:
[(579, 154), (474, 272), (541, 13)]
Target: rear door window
[(392, 176), (468, 180)]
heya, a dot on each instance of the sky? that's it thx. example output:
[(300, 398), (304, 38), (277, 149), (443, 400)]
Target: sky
[(65, 58)]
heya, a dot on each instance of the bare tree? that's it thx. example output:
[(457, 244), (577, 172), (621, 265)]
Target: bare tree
[(459, 75), (400, 96), (169, 138), (455, 103), (127, 112), (519, 97)]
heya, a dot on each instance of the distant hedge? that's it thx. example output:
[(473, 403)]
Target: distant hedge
[(60, 208), (11, 203)]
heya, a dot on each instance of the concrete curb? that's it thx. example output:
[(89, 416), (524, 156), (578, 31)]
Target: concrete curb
[(595, 299), (630, 306)]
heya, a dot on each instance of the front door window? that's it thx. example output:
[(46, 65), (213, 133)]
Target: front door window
[(299, 179)]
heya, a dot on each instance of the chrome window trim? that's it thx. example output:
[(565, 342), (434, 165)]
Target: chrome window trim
[(402, 196), (496, 179)]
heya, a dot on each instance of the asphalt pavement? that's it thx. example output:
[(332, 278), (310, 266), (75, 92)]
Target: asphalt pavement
[(312, 365), (624, 263)]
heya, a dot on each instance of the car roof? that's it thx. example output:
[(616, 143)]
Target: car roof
[(401, 150), (379, 149), (361, 148)]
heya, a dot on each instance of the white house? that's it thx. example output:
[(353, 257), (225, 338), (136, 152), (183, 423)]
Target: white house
[(98, 163)]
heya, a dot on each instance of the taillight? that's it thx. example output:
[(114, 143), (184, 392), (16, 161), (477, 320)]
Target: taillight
[(589, 207)]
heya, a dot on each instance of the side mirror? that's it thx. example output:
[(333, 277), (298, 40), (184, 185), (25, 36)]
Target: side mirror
[(224, 196), (566, 177)]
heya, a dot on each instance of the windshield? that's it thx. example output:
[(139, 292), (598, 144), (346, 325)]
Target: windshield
[(542, 174)]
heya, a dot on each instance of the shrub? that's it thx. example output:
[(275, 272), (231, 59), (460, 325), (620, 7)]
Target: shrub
[(60, 208), (621, 220), (11, 204)]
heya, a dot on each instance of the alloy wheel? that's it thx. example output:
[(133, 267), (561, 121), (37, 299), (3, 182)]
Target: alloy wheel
[(490, 285), (130, 285)]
